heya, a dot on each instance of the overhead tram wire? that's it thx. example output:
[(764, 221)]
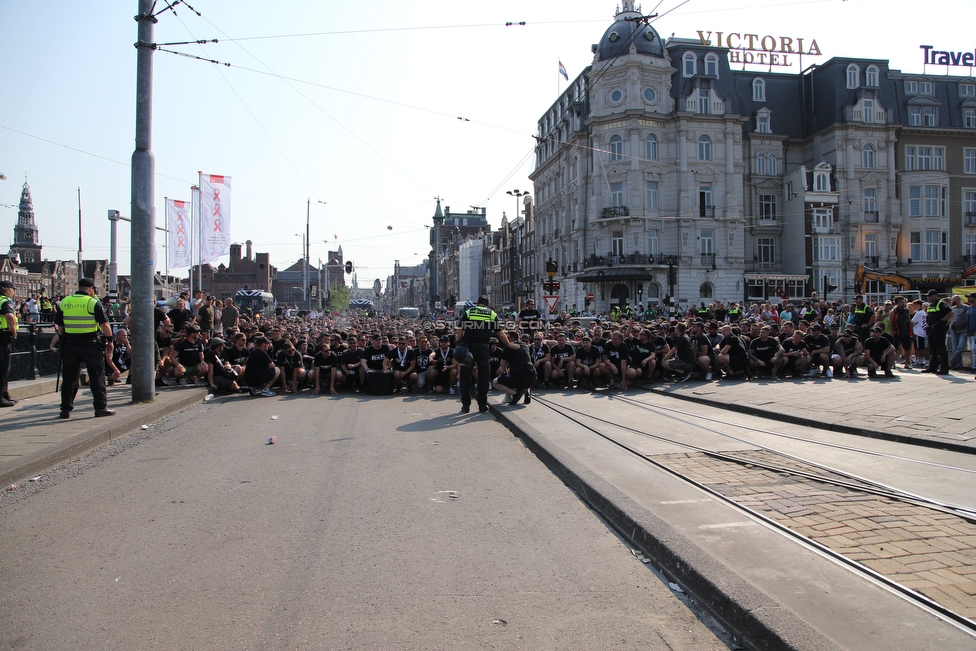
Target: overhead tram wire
[(248, 109), (324, 112)]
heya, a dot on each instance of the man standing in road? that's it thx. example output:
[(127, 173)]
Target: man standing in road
[(8, 332), (937, 317), (79, 319), (478, 324)]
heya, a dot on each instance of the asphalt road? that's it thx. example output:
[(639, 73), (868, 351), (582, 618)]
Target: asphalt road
[(390, 523)]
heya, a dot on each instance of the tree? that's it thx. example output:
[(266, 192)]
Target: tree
[(339, 296)]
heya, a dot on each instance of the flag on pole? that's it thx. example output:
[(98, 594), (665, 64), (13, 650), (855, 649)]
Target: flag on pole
[(562, 71), (214, 217), (179, 226)]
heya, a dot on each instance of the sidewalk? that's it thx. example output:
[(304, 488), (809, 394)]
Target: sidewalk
[(913, 407), (33, 438)]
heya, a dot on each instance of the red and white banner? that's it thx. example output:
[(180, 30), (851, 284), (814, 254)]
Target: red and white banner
[(179, 226), (214, 217)]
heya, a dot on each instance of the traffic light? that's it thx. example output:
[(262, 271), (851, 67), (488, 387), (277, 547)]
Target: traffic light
[(551, 267), (554, 287), (349, 267), (640, 290), (827, 286)]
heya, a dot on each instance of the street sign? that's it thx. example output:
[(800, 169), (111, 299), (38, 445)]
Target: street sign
[(450, 311), (438, 305), (590, 297), (551, 302)]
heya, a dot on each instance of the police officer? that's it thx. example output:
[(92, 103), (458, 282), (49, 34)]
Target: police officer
[(478, 325), (8, 332), (85, 330), (937, 317)]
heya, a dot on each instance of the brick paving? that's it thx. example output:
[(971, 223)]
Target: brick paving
[(931, 552)]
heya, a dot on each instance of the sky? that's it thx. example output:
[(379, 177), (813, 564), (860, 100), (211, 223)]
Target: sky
[(366, 109)]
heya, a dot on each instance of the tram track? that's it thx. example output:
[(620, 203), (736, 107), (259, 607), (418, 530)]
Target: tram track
[(846, 517)]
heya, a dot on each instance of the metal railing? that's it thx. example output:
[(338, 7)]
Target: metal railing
[(32, 356)]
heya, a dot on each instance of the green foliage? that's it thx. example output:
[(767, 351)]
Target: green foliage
[(339, 298)]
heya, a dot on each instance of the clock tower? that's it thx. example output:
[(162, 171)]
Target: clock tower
[(25, 232)]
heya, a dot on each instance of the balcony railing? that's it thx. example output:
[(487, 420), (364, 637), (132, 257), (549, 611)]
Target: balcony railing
[(871, 216), (706, 211), (708, 260), (872, 261), (611, 260), (969, 218), (615, 211)]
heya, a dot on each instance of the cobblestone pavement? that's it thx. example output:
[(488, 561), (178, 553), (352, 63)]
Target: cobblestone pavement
[(923, 549)]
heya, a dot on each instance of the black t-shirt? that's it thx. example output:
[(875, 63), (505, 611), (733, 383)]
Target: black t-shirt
[(120, 356), (258, 362), (561, 353), (494, 360), (443, 359), (519, 366), (350, 357), (764, 350), (876, 348), (686, 351), (289, 362), (698, 341), (535, 354), (375, 356), (813, 343), (401, 358), (423, 359), (587, 357), (640, 351), (326, 361), (737, 351), (616, 354), (531, 318), (159, 315), (599, 344), (846, 346), (791, 346), (179, 317), (187, 353), (235, 356)]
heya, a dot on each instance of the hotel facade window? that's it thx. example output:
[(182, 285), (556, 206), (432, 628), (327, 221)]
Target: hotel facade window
[(766, 253), (689, 64), (704, 148), (762, 123), (617, 194), (871, 78), (767, 207), (758, 90), (616, 148), (711, 65), (650, 147), (761, 164), (967, 90), (650, 196), (853, 75), (703, 101), (821, 182), (773, 165), (870, 205), (652, 243), (867, 156), (969, 161)]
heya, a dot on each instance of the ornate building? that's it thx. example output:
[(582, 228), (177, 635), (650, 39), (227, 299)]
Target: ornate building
[(26, 239), (661, 172)]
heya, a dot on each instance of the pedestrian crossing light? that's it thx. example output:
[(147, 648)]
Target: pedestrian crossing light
[(640, 289)]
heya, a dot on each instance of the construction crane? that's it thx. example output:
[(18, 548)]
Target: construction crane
[(863, 275)]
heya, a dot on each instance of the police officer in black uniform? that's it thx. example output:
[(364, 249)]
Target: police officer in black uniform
[(85, 331), (477, 325), (937, 317), (8, 332)]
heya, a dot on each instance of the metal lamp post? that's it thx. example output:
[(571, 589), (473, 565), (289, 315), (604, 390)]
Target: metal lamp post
[(517, 194)]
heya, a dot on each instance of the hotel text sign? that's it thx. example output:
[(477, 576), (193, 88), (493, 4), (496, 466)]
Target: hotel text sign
[(762, 50), (946, 58)]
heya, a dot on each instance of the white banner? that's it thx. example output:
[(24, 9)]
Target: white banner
[(214, 217), (179, 225)]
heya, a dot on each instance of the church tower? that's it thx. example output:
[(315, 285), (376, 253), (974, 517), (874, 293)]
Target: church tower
[(25, 232)]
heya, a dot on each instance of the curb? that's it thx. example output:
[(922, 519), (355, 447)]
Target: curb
[(816, 424), (752, 615), (32, 389), (71, 448)]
